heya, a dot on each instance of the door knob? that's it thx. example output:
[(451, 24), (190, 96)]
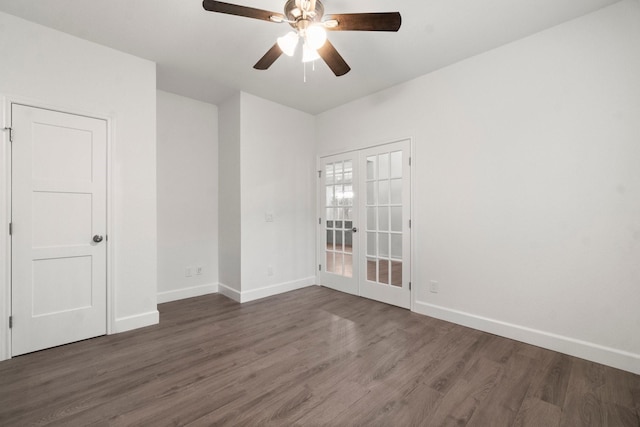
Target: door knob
[(354, 229), (97, 238)]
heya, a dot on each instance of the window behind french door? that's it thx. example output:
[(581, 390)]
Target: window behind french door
[(364, 228)]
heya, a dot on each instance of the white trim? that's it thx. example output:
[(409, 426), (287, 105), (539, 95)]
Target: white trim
[(265, 291), (111, 235), (364, 146), (319, 214), (229, 292), (5, 241), (5, 211), (268, 291), (412, 244), (190, 292), (136, 321), (585, 350)]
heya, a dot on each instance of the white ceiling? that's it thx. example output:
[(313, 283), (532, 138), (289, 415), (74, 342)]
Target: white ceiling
[(208, 56)]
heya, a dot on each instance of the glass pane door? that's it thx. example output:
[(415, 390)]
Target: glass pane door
[(386, 236), (363, 226), (338, 261)]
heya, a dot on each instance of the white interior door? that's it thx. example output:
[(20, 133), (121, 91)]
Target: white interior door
[(338, 245), (59, 224), (385, 214), (364, 232)]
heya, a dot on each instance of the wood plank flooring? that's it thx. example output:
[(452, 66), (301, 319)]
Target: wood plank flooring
[(312, 357)]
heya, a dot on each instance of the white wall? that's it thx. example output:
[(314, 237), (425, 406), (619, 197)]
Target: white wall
[(278, 179), (229, 197), (266, 168), (527, 185), (61, 71), (187, 162)]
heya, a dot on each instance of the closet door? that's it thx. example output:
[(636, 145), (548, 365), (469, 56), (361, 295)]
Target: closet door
[(59, 224)]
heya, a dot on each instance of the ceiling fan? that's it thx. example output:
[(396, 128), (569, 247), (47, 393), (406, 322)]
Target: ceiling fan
[(309, 24)]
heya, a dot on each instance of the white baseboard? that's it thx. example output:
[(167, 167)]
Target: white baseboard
[(128, 323), (266, 291), (190, 292), (279, 288), (229, 292), (585, 350)]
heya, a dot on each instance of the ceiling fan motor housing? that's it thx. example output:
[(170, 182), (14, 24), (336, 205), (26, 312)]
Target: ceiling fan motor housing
[(294, 13)]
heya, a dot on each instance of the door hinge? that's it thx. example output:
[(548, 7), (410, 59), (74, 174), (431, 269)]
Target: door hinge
[(10, 322), (319, 174), (10, 133), (319, 267), (10, 228), (409, 160), (409, 285), (409, 223), (320, 221)]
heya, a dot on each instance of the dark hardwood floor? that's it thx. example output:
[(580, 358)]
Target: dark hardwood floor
[(311, 357)]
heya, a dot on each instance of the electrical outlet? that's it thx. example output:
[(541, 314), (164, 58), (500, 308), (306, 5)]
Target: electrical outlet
[(198, 270), (188, 271), (434, 287)]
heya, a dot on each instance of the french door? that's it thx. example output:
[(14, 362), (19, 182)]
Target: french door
[(339, 247), (365, 240)]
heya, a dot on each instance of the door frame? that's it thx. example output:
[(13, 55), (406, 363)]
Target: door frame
[(6, 102), (319, 204)]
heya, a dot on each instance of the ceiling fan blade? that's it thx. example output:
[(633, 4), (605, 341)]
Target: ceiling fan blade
[(234, 9), (333, 59), (382, 21), (269, 58)]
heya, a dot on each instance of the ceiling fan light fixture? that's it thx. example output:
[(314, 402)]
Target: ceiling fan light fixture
[(315, 36), (309, 54), (288, 43)]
